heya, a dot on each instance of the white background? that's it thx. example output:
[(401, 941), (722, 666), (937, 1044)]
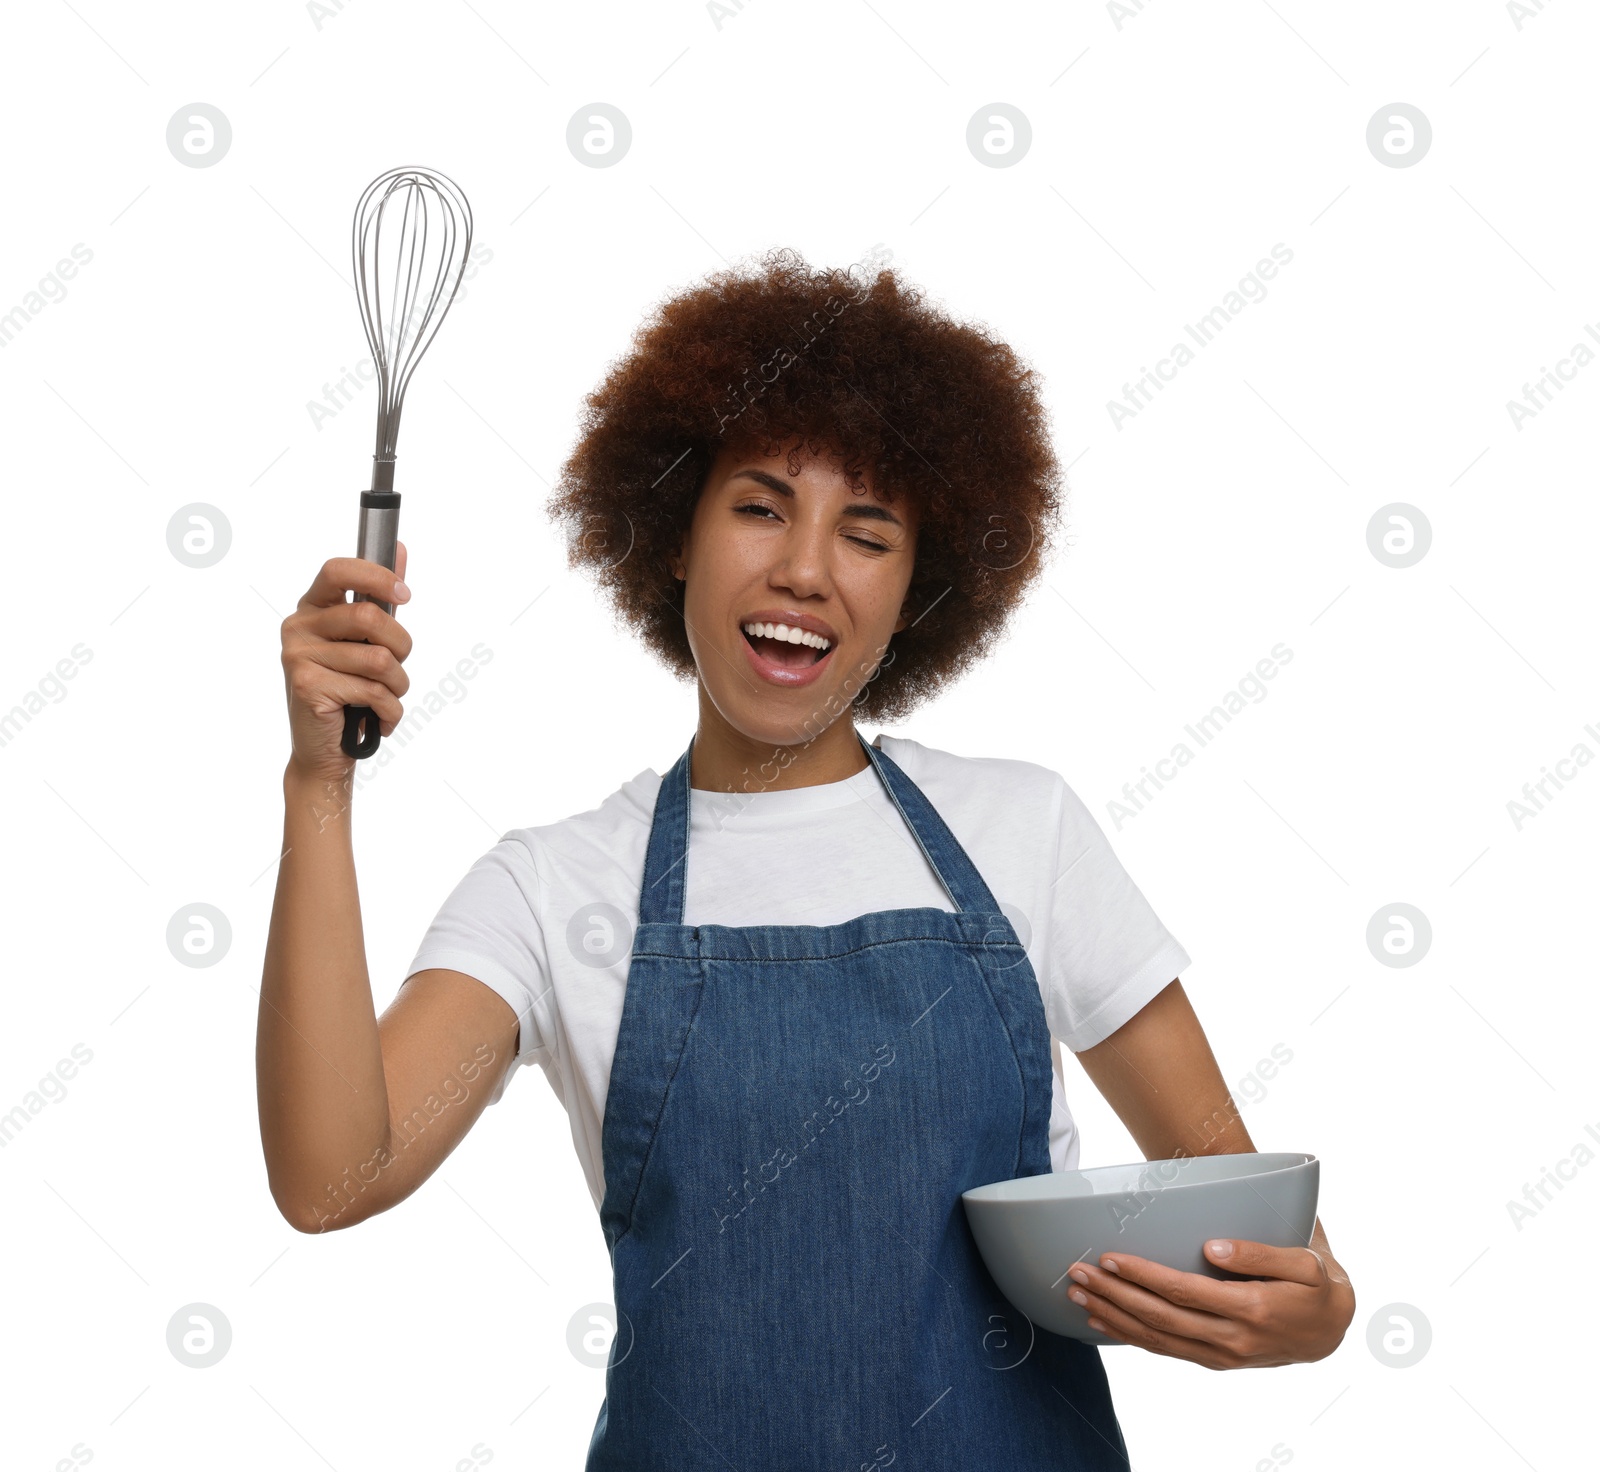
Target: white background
[(1169, 154)]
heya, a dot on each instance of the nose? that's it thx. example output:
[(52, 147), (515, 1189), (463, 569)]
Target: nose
[(801, 562)]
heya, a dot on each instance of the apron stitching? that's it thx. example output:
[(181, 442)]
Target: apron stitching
[(877, 759), (666, 1094), (1016, 1059), (870, 945)]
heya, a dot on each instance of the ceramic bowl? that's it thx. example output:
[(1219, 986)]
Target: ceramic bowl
[(1031, 1230)]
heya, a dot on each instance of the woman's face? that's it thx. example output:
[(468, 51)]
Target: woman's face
[(766, 547)]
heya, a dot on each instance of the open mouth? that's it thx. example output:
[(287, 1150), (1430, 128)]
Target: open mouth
[(790, 649)]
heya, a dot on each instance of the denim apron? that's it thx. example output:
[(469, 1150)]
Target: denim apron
[(792, 1115)]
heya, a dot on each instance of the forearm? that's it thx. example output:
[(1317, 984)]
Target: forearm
[(321, 1094)]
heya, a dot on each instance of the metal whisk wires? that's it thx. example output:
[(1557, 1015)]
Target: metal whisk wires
[(408, 247)]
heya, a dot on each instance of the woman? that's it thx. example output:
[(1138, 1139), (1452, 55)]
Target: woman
[(801, 991)]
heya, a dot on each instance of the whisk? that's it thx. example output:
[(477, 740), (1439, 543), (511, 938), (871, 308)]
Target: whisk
[(408, 245)]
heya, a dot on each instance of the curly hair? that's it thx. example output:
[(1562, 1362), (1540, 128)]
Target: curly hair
[(932, 409)]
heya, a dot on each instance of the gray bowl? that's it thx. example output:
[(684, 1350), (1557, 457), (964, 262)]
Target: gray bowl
[(1031, 1230)]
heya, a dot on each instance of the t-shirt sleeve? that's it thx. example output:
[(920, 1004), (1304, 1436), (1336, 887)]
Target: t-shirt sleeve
[(488, 928), (1109, 952)]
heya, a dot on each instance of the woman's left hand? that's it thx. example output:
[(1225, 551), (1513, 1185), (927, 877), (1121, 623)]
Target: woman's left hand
[(1299, 1315)]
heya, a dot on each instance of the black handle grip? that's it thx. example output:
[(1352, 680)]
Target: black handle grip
[(353, 743), (376, 535)]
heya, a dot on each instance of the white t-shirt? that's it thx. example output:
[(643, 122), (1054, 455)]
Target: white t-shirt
[(546, 917)]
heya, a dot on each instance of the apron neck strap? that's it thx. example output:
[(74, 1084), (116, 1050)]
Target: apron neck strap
[(661, 895)]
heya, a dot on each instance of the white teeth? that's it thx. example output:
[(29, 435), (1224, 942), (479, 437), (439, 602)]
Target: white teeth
[(783, 631)]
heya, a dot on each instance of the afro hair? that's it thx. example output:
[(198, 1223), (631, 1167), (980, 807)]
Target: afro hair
[(851, 361)]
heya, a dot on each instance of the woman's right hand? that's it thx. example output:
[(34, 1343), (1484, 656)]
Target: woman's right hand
[(327, 666)]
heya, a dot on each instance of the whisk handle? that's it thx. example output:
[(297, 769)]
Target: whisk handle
[(376, 540)]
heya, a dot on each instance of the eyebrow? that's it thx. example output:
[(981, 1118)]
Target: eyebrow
[(869, 510)]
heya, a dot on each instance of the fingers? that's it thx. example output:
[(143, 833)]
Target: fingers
[(1142, 1315), (1249, 1259), (326, 689), (1257, 1259), (338, 654), (356, 621), (1208, 1349), (1190, 1290), (373, 663), (341, 575)]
